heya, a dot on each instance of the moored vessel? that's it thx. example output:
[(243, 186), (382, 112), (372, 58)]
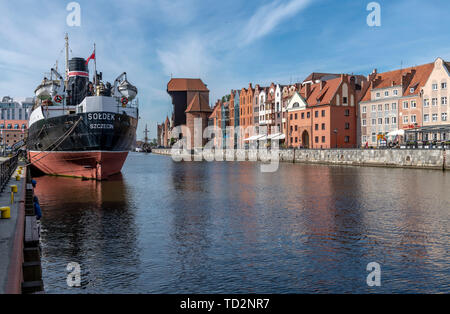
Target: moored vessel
[(82, 128)]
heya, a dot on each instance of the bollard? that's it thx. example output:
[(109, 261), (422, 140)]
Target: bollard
[(6, 212), (14, 188), (18, 178), (12, 197)]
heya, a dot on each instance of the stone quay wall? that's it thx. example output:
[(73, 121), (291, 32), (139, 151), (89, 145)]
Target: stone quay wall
[(398, 158)]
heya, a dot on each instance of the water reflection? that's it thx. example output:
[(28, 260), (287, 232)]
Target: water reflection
[(170, 227), (90, 223)]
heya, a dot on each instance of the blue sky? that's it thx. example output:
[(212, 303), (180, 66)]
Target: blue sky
[(226, 43)]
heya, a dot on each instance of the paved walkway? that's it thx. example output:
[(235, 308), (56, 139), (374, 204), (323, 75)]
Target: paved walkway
[(8, 226)]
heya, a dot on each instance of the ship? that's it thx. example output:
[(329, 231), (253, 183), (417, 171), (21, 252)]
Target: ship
[(82, 128)]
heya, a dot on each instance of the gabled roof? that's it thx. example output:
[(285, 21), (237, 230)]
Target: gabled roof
[(420, 75), (324, 95), (317, 76), (186, 84), (199, 103)]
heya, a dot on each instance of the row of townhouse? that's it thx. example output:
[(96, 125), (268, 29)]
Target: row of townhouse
[(329, 110), (414, 100)]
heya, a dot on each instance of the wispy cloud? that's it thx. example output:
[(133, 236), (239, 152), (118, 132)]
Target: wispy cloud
[(269, 16)]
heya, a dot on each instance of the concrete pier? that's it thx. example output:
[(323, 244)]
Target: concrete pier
[(16, 276)]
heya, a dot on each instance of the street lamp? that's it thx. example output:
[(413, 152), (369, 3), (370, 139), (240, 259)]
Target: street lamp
[(336, 132)]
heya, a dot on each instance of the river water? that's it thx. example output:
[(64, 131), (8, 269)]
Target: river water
[(166, 227)]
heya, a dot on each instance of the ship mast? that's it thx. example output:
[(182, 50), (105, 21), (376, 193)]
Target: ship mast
[(146, 134), (67, 61)]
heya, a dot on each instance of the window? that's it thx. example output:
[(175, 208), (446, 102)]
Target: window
[(364, 109), (317, 139), (364, 122), (347, 126), (386, 121), (290, 116), (323, 139), (323, 126), (347, 112), (374, 137), (435, 117), (316, 114), (347, 139), (435, 86), (374, 121), (380, 121), (364, 138), (413, 119), (296, 128), (386, 107), (378, 95), (411, 90), (413, 104), (303, 115), (374, 108), (380, 107), (344, 100), (434, 102), (405, 105), (316, 127), (444, 116), (308, 115), (394, 120), (395, 92), (394, 106), (405, 119), (426, 118), (20, 114), (323, 113), (444, 85), (13, 114), (296, 116), (426, 102), (443, 100), (386, 94)]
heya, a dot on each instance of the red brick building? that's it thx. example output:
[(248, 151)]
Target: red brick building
[(324, 114)]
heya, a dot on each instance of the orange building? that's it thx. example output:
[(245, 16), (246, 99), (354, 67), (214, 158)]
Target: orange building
[(324, 115), (246, 111)]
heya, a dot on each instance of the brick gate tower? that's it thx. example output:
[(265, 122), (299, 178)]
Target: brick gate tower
[(190, 99)]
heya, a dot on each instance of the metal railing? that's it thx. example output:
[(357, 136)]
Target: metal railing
[(7, 168)]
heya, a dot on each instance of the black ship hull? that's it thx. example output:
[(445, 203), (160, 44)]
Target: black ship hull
[(92, 145)]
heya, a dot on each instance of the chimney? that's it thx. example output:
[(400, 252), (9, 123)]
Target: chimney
[(322, 84), (307, 90)]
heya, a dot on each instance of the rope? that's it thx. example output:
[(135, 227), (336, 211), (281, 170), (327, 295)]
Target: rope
[(64, 137)]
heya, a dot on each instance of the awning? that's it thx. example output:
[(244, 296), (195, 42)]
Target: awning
[(277, 136), (396, 133), (254, 138)]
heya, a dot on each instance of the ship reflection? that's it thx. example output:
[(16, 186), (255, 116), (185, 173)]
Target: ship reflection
[(90, 223)]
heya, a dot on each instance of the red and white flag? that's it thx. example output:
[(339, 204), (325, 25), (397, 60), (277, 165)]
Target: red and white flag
[(92, 57)]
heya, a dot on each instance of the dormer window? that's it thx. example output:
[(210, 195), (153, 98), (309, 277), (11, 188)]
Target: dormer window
[(296, 105), (411, 90)]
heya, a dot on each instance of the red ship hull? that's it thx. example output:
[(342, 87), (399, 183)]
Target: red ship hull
[(96, 165)]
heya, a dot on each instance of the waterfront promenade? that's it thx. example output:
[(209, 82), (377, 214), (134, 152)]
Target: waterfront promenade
[(397, 158), (12, 230)]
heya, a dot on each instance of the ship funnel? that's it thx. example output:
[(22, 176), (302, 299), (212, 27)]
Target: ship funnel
[(78, 80)]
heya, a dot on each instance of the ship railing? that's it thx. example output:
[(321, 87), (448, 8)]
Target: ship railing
[(7, 168)]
